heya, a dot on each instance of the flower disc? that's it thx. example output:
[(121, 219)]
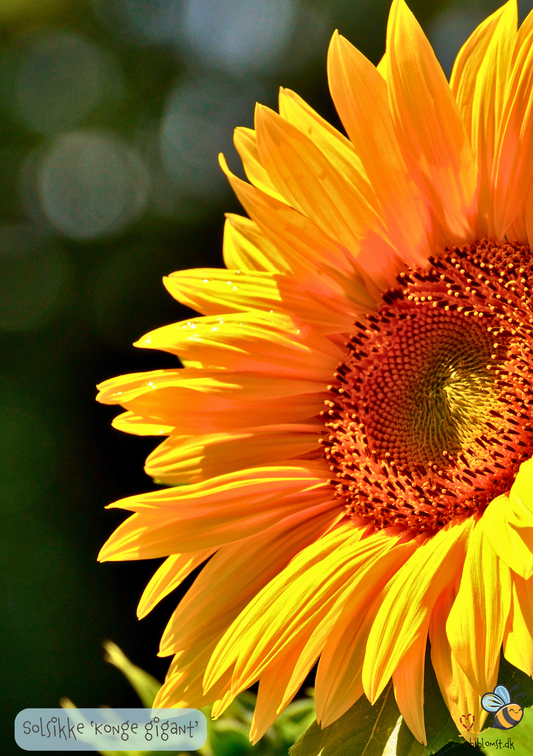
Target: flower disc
[(430, 414)]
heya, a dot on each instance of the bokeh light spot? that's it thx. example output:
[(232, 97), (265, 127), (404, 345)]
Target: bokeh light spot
[(92, 183), (240, 35), (139, 21), (54, 79)]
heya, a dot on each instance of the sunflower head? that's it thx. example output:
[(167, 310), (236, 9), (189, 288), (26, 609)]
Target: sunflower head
[(353, 418)]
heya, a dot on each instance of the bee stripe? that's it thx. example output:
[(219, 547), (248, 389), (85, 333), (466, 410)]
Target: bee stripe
[(505, 719)]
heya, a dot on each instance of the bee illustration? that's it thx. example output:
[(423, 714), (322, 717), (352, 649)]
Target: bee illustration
[(507, 713)]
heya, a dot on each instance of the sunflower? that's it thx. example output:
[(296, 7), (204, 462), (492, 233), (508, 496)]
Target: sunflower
[(353, 419)]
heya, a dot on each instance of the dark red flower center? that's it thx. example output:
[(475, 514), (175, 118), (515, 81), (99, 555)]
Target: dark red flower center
[(431, 413)]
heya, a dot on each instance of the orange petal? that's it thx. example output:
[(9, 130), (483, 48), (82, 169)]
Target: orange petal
[(272, 696), (224, 510), (528, 217), (183, 684), (201, 401), (190, 459), (360, 95), (429, 128)]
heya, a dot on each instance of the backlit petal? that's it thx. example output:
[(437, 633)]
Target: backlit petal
[(429, 127), (477, 620)]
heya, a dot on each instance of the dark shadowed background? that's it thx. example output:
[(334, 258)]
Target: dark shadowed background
[(112, 113)]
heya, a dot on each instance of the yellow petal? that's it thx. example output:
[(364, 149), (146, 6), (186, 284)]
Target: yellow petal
[(253, 341), (479, 82), (521, 513), (169, 576), (407, 603), (508, 523), (292, 604), (311, 253), (246, 144), (307, 179), (429, 128), (337, 149), (408, 680), (236, 574), (518, 643), (459, 695), (513, 546), (246, 248), (512, 173), (477, 620), (299, 238), (128, 422), (212, 291), (338, 680)]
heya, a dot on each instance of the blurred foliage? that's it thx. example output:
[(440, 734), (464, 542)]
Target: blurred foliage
[(112, 113), (228, 735)]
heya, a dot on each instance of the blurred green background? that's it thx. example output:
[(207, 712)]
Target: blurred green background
[(112, 113)]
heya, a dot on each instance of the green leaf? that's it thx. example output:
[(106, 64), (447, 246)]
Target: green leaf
[(509, 676), (458, 749), (380, 731), (364, 730), (144, 684)]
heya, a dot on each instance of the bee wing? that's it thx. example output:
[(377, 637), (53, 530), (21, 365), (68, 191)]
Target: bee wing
[(492, 702), (502, 692)]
